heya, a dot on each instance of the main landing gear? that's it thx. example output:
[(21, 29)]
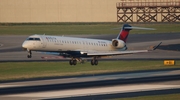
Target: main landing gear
[(94, 61), (73, 62), (29, 54)]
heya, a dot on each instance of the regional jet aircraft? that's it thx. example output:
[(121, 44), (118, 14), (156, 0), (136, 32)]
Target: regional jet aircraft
[(77, 48)]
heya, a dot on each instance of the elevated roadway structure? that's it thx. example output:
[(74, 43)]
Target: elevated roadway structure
[(168, 11)]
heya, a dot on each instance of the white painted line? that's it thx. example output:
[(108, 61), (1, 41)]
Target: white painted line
[(96, 91), (91, 78), (5, 86)]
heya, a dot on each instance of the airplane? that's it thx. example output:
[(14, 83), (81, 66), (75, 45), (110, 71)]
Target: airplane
[(77, 48)]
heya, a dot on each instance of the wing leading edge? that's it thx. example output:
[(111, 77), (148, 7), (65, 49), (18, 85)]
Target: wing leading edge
[(114, 53)]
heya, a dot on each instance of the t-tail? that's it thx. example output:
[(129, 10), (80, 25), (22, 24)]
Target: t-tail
[(123, 35)]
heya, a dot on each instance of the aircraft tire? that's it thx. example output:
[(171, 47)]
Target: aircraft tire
[(71, 62), (74, 62), (29, 56), (92, 62), (95, 62)]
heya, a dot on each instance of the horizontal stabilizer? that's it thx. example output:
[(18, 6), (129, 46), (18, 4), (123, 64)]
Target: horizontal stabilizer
[(141, 28), (130, 28)]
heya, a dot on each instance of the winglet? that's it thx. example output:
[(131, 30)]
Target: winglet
[(155, 47)]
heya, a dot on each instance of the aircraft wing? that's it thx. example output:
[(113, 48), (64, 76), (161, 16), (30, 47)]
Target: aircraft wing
[(110, 53)]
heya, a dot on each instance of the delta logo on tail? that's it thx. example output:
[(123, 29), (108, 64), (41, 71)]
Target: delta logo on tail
[(124, 33)]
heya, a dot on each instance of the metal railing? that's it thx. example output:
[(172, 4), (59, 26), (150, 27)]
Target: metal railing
[(147, 4)]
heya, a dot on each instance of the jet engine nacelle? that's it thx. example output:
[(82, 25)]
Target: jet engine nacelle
[(118, 43)]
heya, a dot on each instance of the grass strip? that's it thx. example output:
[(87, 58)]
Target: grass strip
[(26, 70), (154, 97), (81, 29)]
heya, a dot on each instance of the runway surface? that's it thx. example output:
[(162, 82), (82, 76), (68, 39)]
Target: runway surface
[(10, 48), (100, 86), (115, 85)]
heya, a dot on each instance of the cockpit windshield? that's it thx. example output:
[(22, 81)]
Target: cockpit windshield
[(33, 39)]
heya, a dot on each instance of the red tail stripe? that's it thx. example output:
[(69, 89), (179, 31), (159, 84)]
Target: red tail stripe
[(123, 35)]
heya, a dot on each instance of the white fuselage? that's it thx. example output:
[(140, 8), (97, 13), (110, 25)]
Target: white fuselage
[(76, 48), (61, 43)]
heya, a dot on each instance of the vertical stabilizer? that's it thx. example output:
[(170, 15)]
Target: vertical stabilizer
[(124, 32)]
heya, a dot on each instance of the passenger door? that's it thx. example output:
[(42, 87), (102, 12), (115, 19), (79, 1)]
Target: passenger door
[(44, 41)]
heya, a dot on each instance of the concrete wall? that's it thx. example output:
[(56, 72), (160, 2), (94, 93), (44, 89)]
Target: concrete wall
[(59, 10)]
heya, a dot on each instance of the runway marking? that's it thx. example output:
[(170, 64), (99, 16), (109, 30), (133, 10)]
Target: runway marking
[(5, 86), (96, 91), (35, 83), (89, 78)]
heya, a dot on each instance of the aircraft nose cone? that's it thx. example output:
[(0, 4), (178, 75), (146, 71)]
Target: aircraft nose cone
[(24, 46)]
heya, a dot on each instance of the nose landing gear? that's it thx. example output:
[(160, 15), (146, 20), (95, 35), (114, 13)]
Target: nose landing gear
[(29, 54)]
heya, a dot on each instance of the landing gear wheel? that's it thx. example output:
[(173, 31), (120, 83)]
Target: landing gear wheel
[(74, 62), (94, 62), (29, 56), (71, 62)]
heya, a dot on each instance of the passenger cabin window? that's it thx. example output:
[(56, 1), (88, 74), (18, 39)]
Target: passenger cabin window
[(34, 39)]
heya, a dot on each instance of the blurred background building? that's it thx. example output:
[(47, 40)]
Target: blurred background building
[(28, 11)]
